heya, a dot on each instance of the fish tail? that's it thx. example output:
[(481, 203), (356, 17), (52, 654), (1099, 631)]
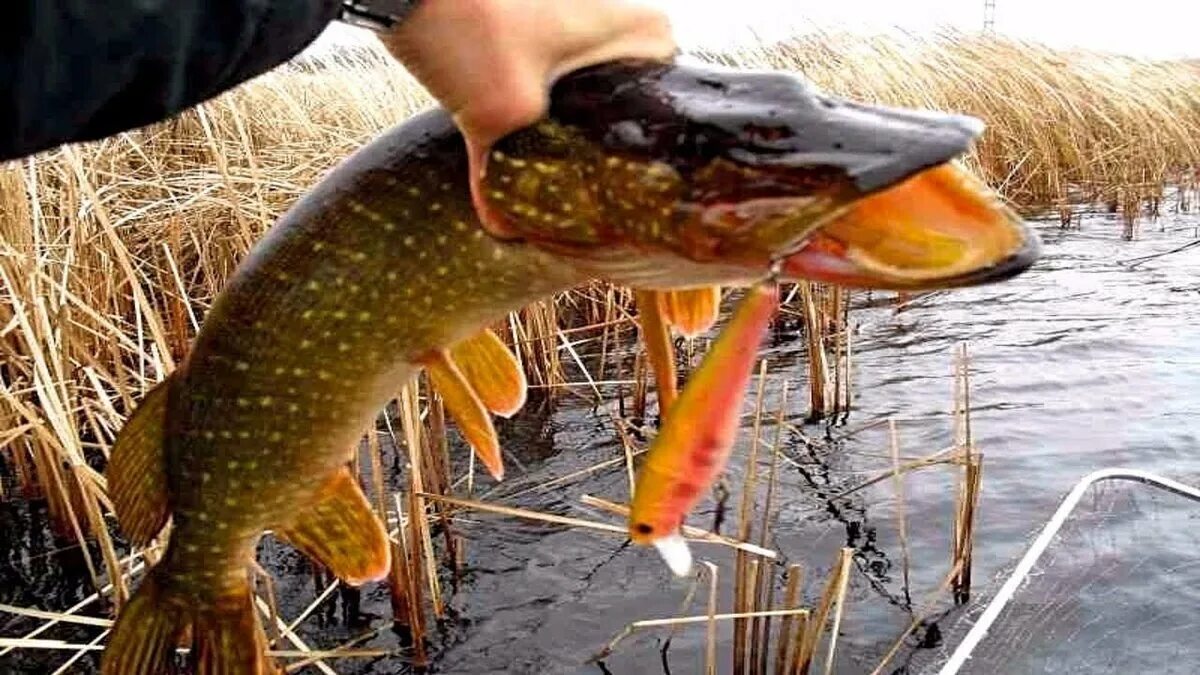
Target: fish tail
[(146, 633), (229, 640), (226, 636)]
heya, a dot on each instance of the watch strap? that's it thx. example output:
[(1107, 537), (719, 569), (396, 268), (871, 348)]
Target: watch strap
[(376, 15)]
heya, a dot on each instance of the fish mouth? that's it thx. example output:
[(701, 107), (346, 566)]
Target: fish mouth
[(940, 228)]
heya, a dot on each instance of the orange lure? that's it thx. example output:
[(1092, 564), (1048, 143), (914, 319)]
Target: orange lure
[(697, 436)]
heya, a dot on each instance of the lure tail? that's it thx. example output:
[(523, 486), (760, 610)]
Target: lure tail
[(227, 638)]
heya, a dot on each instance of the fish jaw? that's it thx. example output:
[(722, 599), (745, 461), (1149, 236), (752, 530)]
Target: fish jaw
[(939, 229)]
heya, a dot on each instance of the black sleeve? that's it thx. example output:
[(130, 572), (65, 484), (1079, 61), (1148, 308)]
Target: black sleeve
[(77, 70)]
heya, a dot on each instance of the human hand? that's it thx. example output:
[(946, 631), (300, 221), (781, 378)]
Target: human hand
[(490, 63)]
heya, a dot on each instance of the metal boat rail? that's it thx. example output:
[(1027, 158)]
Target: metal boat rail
[(962, 653)]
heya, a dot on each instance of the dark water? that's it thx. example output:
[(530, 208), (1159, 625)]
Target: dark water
[(1082, 363)]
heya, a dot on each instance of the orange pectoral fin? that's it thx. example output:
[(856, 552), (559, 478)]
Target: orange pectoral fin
[(341, 532), (659, 349), (492, 371), (467, 410), (694, 444), (692, 311)]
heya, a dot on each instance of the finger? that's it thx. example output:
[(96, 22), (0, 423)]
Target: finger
[(602, 31)]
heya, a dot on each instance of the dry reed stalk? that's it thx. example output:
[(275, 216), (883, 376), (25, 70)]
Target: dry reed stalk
[(554, 483), (402, 589), (943, 456), (834, 297), (405, 600), (96, 525), (263, 580), (743, 579), (291, 636), (342, 651), (641, 384), (570, 349), (818, 366), (440, 472), (710, 638), (745, 647), (767, 587), (791, 598), (964, 528), (840, 604), (526, 514), (901, 510), (835, 589), (56, 616), (795, 665), (537, 325), (602, 360), (309, 655), (685, 620), (968, 489), (424, 479), (962, 401), (312, 606), (847, 356), (417, 534), (917, 619)]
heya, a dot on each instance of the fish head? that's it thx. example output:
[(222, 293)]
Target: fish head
[(670, 175)]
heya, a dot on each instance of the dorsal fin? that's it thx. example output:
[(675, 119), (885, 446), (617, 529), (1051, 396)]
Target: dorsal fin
[(137, 469), (340, 531), (492, 371)]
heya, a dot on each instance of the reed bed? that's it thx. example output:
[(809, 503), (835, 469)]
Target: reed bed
[(111, 252)]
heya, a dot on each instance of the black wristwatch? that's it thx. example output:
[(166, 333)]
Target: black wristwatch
[(377, 15)]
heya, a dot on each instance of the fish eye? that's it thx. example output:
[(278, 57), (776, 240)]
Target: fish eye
[(644, 528)]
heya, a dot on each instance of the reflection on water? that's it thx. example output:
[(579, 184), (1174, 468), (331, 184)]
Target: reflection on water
[(1081, 363)]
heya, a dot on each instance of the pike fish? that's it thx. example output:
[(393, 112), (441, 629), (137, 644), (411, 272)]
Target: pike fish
[(669, 178)]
